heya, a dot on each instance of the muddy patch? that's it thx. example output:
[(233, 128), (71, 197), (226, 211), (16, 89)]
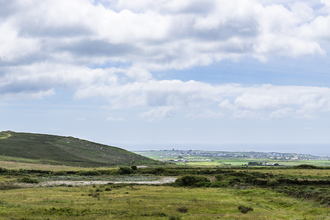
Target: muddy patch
[(160, 181)]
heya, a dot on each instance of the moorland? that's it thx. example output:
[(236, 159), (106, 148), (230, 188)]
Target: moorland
[(36, 187)]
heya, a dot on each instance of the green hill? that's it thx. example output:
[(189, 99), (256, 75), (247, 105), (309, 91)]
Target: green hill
[(59, 150)]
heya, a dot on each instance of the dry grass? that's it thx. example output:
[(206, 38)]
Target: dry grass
[(33, 166), (152, 202)]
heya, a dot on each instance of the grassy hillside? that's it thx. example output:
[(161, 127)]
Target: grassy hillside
[(59, 150)]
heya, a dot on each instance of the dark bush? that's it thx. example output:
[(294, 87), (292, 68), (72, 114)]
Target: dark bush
[(89, 173), (243, 209), (219, 177), (159, 170), (306, 166), (28, 180), (220, 184), (134, 167), (203, 184), (191, 180), (182, 209), (59, 173), (125, 170)]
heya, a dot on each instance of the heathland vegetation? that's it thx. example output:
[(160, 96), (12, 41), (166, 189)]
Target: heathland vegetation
[(69, 151), (197, 193), (64, 189)]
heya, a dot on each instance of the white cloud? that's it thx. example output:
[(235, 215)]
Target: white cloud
[(155, 35), (115, 119), (207, 114), (252, 102), (159, 112), (281, 113), (55, 44), (241, 114), (80, 119)]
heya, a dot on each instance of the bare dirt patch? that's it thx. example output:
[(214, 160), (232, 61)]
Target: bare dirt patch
[(160, 181)]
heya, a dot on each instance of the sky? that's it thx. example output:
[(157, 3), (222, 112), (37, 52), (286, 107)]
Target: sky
[(166, 72)]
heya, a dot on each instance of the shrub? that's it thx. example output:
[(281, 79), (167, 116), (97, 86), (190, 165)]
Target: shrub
[(220, 184), (219, 177), (182, 209), (243, 209), (191, 180), (28, 180), (89, 173), (174, 218), (306, 166), (59, 173), (125, 170), (159, 170), (134, 167), (203, 184), (272, 183)]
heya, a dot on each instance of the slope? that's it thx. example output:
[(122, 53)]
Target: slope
[(59, 150)]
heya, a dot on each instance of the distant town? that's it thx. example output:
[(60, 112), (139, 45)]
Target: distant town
[(251, 157)]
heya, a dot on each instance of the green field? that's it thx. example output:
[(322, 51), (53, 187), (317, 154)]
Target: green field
[(215, 161)]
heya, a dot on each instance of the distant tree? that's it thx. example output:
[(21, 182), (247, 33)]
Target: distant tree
[(255, 163), (134, 167)]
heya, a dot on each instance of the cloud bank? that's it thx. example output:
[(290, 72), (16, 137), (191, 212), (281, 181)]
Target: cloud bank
[(50, 45)]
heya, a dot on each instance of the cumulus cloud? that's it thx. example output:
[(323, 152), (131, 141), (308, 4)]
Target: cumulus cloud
[(56, 44), (207, 114), (158, 113), (168, 96), (114, 119), (281, 113), (159, 34)]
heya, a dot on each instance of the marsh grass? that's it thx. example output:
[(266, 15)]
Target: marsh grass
[(153, 202)]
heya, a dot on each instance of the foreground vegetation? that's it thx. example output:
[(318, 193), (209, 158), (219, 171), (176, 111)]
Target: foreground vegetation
[(299, 192), (153, 202)]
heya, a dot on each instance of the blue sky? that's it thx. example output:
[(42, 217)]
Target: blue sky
[(129, 73)]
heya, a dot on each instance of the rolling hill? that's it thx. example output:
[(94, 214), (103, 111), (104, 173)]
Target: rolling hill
[(70, 151)]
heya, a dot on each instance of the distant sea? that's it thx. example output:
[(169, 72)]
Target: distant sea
[(313, 149)]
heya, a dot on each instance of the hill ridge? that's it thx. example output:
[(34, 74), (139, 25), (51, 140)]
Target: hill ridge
[(66, 150)]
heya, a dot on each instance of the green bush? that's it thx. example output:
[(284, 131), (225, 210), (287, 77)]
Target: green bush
[(89, 173), (220, 184), (219, 177), (272, 183), (28, 180), (59, 173), (306, 166), (125, 170), (182, 209), (158, 170), (134, 167), (191, 180), (243, 209)]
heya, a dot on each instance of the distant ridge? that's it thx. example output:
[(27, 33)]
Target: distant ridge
[(69, 151)]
